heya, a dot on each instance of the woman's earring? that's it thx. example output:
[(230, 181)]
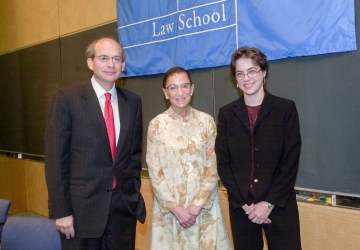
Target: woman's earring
[(191, 94), (166, 97)]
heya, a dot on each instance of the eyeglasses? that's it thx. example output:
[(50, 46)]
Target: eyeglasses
[(174, 88), (115, 59), (250, 73)]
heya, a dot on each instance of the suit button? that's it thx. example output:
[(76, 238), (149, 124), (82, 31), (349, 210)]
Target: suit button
[(256, 149), (256, 180), (109, 190), (257, 165)]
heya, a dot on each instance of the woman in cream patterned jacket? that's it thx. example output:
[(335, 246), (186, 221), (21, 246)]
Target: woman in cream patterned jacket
[(182, 167)]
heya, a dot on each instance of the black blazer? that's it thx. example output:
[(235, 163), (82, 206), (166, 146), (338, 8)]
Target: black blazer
[(78, 164), (277, 146)]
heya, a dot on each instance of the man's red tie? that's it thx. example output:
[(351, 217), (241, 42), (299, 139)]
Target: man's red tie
[(110, 126)]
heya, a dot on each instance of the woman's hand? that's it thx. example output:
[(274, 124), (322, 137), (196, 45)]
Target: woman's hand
[(195, 210), (246, 207), (183, 215), (259, 213)]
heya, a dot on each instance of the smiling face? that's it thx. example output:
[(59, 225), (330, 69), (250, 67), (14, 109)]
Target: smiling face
[(106, 72), (252, 87), (179, 97)]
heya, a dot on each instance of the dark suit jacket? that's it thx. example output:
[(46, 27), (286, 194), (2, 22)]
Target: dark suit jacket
[(277, 145), (78, 164)]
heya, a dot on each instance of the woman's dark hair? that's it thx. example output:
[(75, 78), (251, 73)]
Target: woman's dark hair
[(175, 70)]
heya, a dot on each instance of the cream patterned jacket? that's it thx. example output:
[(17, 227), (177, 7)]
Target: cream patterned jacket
[(181, 159)]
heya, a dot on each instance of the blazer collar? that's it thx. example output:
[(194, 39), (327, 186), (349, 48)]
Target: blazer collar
[(125, 113), (240, 110), (92, 108), (266, 106)]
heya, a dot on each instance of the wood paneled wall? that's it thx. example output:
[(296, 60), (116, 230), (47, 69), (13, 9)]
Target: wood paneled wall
[(322, 227), (23, 183), (13, 184), (75, 16), (26, 23)]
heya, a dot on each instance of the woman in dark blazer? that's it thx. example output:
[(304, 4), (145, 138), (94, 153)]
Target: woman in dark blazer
[(258, 147)]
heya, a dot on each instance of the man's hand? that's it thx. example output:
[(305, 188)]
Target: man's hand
[(66, 226), (184, 217)]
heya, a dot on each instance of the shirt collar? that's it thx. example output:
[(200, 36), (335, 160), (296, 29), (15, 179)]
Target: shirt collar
[(100, 91)]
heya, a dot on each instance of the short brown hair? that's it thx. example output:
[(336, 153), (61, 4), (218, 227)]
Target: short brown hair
[(256, 56)]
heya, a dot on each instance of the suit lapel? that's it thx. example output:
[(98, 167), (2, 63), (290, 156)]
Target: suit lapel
[(266, 106), (92, 108), (125, 115), (240, 112)]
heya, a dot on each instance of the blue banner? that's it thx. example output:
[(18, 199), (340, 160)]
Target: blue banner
[(160, 34)]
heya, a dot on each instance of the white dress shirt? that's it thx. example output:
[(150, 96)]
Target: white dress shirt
[(100, 93)]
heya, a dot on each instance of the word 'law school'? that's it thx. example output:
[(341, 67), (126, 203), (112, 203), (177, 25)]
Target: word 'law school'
[(190, 22)]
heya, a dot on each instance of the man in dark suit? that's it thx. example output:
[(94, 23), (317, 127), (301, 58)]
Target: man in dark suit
[(94, 187)]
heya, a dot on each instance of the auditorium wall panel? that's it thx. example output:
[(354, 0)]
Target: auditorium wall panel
[(27, 23), (79, 15)]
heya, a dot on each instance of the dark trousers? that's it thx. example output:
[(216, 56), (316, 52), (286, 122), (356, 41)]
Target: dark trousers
[(282, 234), (119, 233)]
